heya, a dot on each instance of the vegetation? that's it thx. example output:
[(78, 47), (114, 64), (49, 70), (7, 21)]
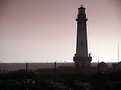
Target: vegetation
[(41, 80)]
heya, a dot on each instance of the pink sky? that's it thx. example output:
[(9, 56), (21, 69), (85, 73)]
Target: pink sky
[(45, 30)]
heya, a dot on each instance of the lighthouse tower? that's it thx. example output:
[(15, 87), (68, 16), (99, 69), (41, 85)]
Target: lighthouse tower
[(81, 58)]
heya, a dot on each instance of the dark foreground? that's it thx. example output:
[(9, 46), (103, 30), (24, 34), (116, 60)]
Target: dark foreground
[(54, 80)]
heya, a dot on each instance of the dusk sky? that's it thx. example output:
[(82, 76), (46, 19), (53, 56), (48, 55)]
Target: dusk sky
[(45, 30)]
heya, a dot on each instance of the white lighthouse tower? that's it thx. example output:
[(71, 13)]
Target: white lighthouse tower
[(81, 57)]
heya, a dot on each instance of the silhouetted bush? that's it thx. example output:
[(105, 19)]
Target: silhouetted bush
[(20, 80)]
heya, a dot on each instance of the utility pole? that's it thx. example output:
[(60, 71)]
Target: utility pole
[(118, 52), (26, 66), (55, 70), (26, 76), (98, 67)]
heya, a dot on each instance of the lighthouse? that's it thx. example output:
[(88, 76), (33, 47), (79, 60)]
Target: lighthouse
[(81, 58)]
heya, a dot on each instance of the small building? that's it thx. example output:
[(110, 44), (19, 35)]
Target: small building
[(119, 65), (102, 66), (116, 66)]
